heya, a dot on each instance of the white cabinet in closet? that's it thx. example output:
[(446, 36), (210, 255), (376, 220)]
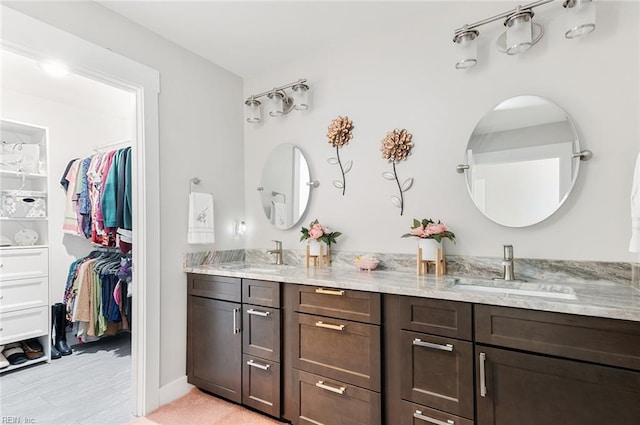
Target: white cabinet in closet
[(24, 299), (24, 254), (23, 188)]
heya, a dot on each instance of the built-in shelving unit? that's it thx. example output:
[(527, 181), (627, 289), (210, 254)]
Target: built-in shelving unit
[(24, 260)]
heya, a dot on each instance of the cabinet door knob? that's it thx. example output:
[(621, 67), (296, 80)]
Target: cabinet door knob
[(321, 324), (258, 312), (418, 415), (421, 343), (325, 291), (258, 365), (337, 390)]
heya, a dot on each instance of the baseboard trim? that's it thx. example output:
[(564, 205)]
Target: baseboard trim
[(174, 390)]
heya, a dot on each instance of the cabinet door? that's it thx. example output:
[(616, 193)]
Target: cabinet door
[(323, 401), (261, 332), (214, 346), (261, 385), (338, 349), (437, 372), (527, 389)]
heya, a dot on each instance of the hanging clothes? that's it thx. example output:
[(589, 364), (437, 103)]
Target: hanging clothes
[(98, 197), (97, 294)]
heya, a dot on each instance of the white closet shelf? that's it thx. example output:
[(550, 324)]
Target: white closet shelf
[(27, 363), (8, 173), (23, 218)]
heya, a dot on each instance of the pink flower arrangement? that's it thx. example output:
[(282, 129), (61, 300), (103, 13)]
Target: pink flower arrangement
[(429, 229), (316, 231)]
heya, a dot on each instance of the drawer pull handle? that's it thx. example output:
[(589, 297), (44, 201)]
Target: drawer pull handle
[(329, 291), (338, 390), (259, 313), (236, 329), (421, 343), (258, 365), (418, 415), (321, 324), (483, 379)]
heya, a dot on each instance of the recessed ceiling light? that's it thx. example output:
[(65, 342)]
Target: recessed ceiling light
[(54, 69)]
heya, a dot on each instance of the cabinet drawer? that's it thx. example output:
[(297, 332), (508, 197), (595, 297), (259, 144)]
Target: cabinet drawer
[(23, 324), (261, 332), (339, 303), (323, 401), (261, 385), (528, 389), (23, 263), (218, 287), (338, 349), (415, 414), (261, 292), (599, 340), (437, 372), (23, 293), (436, 317)]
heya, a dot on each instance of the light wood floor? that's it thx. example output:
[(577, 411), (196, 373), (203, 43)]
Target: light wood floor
[(90, 387)]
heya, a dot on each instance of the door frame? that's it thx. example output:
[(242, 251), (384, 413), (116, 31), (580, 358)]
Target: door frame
[(37, 40)]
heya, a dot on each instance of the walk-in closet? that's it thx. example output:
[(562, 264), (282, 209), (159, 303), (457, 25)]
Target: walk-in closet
[(66, 168)]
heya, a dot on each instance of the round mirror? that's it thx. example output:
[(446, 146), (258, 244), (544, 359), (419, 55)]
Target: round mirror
[(284, 188), (521, 162)]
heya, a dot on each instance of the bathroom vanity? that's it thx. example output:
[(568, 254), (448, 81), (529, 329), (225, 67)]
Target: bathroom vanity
[(336, 346)]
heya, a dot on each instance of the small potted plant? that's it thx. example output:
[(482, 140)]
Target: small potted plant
[(430, 234), (317, 234)]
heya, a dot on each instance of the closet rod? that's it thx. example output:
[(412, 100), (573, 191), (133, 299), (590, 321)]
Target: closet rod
[(124, 143)]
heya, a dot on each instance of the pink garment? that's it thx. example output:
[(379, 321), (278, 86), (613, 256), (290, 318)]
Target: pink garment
[(70, 223), (116, 293), (107, 161), (95, 185)]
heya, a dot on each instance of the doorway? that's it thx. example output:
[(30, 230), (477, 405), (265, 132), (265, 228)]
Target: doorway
[(31, 38)]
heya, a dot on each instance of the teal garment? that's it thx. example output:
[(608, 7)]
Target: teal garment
[(127, 192), (110, 192)]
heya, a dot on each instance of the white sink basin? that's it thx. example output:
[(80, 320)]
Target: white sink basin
[(531, 289)]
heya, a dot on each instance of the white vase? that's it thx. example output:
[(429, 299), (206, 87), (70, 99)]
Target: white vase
[(316, 247), (429, 247)]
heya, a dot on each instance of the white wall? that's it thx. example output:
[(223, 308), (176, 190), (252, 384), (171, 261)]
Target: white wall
[(403, 77), (73, 133), (200, 108)]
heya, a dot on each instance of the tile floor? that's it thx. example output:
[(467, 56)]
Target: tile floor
[(90, 387)]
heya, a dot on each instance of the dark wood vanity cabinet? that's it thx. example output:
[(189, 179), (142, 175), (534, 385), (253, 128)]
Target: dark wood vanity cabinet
[(538, 367), (333, 340), (233, 347), (429, 361), (214, 339)]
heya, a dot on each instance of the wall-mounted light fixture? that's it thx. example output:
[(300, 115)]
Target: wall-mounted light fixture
[(239, 229), (278, 101), (522, 33)]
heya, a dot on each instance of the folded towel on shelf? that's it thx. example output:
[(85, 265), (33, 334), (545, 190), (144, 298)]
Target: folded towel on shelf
[(634, 244), (201, 229)]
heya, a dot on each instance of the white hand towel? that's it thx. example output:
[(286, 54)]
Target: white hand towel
[(634, 244), (279, 214), (201, 229)]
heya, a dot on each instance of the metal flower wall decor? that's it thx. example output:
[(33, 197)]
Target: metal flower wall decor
[(339, 134), (396, 147)]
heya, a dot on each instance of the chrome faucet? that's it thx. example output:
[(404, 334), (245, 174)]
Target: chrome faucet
[(278, 252), (507, 265)]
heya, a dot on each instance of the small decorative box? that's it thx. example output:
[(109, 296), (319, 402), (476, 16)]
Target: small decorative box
[(23, 204)]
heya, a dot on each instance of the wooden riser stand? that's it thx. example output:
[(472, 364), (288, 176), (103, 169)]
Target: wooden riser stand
[(439, 263), (322, 260)]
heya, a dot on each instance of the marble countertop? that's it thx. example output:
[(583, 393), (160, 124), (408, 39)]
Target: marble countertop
[(599, 298)]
